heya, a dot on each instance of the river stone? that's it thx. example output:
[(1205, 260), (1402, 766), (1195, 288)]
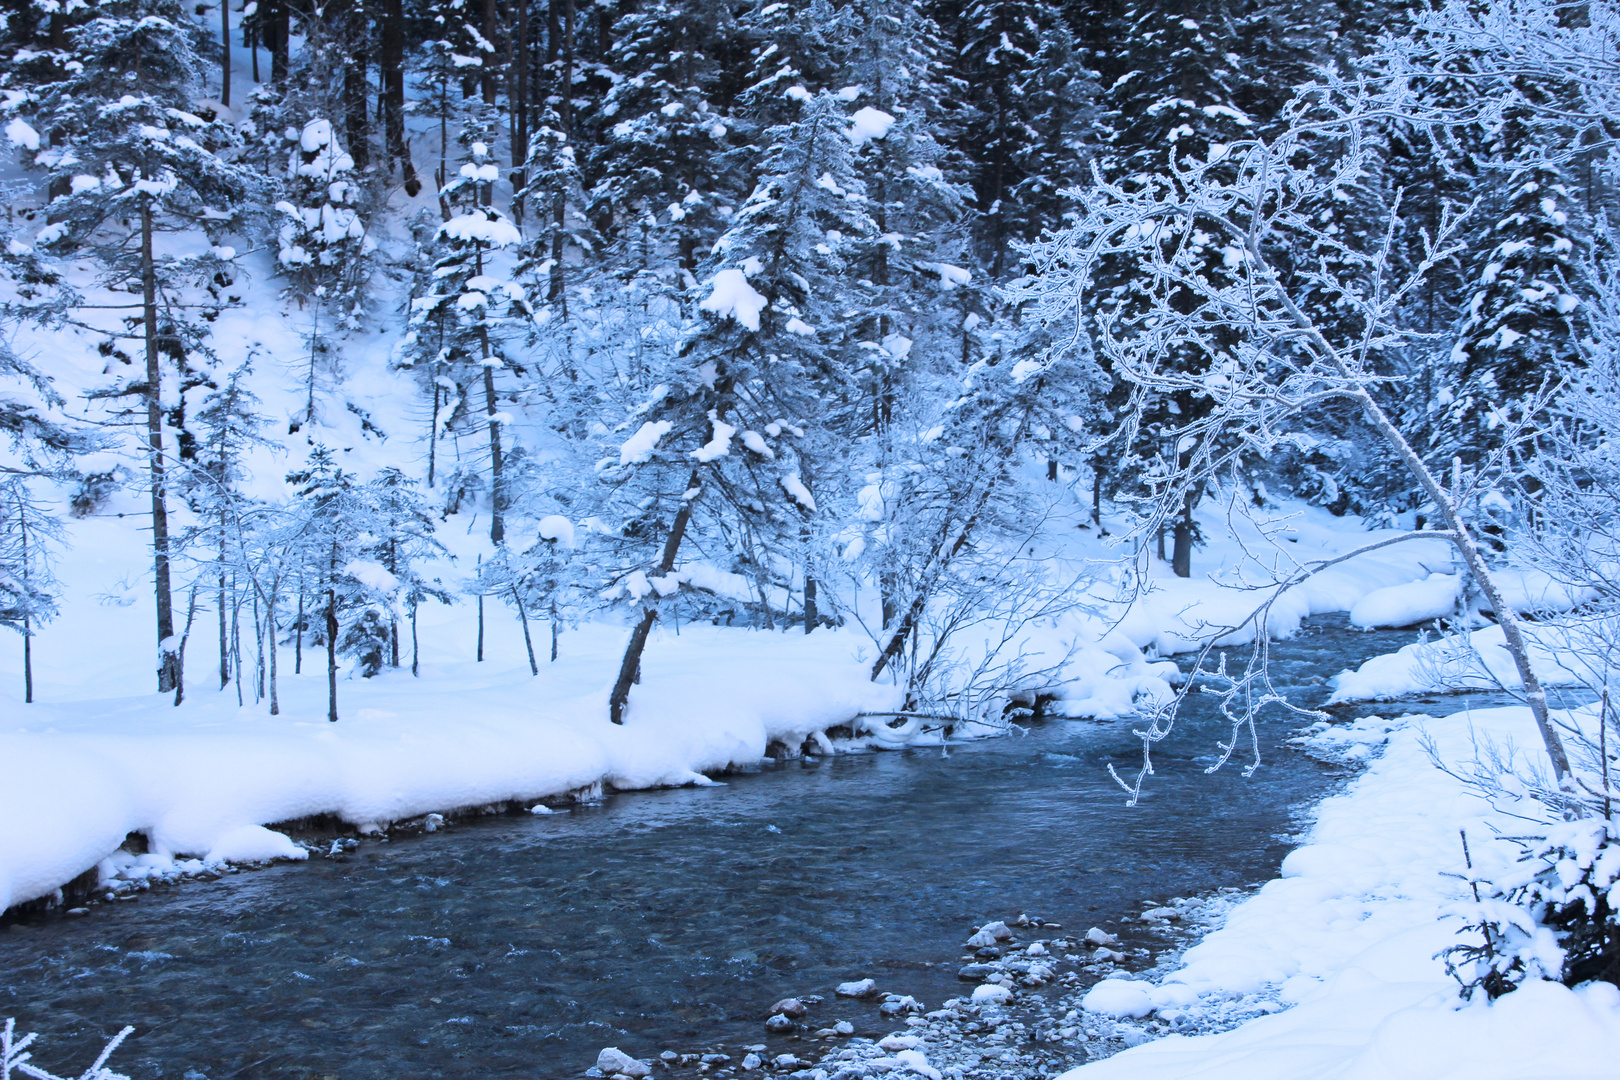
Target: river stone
[(991, 994), (844, 1027), (997, 930), (989, 952), (613, 1060), (1100, 937), (779, 1025), (976, 972), (751, 1062), (1157, 913), (859, 989), (792, 1008)]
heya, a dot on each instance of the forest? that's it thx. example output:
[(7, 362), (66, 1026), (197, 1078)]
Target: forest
[(935, 366)]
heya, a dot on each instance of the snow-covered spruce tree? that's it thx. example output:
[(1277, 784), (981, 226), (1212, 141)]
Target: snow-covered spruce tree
[(662, 167), (136, 160), (403, 536), (28, 535), (337, 517), (450, 58), (227, 427), (468, 307), (1271, 360), (767, 365), (322, 244), (561, 232), (1519, 332), (1179, 112)]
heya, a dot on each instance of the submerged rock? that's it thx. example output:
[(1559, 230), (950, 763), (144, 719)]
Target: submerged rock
[(779, 1025)]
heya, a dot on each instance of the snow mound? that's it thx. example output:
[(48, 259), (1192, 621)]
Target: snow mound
[(1407, 605), (253, 843), (1118, 998)]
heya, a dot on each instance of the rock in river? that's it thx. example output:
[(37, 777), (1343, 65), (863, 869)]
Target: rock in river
[(612, 1061)]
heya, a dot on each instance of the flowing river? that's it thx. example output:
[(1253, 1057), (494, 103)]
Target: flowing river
[(520, 945)]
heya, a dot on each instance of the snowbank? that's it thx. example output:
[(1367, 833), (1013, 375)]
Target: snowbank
[(1483, 663), (201, 781), (1347, 935)]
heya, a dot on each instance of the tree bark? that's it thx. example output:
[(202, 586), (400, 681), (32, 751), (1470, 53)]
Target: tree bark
[(492, 33), (154, 441), (497, 489), (355, 84), (279, 27), (225, 52), (331, 649), (528, 643), (1181, 552), (630, 667), (392, 64), (270, 614)]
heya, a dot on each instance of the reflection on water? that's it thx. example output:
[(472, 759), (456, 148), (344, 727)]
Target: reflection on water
[(666, 920)]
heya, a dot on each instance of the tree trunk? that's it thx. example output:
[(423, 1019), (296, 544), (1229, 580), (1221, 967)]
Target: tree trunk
[(392, 64), (1181, 552), (298, 631), (630, 667), (270, 615), (180, 651), (225, 52), (414, 650), (280, 27), (480, 620), (492, 33), (517, 74), (28, 662), (565, 90), (523, 616), (355, 85), (154, 442), (553, 631), (331, 653), (497, 489), (224, 645)]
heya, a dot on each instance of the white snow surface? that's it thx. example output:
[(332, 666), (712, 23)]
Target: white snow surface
[(732, 297), (1347, 936), (201, 780)]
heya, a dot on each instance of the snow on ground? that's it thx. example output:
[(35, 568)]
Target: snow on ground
[(1346, 937)]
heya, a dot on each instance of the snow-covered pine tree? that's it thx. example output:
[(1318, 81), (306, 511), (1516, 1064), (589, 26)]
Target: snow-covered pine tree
[(768, 365), (561, 233), (135, 159), (29, 536), (1179, 107), (1520, 325), (337, 518), (227, 427), (322, 241), (662, 162), (449, 59), (469, 306), (402, 538), (998, 45)]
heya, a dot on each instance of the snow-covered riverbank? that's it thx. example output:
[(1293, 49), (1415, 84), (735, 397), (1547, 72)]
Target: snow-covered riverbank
[(1344, 943), (94, 759)]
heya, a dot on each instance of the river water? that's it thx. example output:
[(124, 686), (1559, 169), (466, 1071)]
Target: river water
[(521, 945)]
